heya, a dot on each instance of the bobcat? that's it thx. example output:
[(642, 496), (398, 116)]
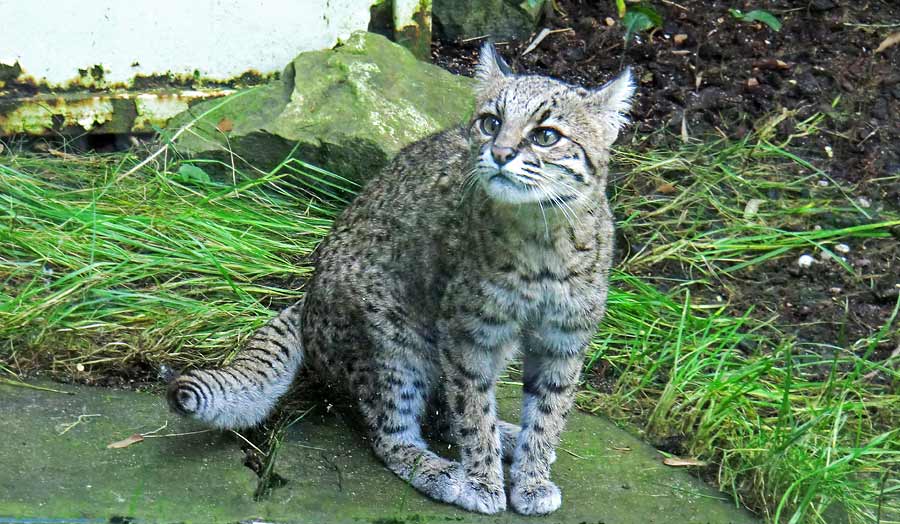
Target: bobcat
[(476, 244)]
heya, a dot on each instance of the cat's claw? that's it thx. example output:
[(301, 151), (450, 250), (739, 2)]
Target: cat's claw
[(480, 497), (535, 498)]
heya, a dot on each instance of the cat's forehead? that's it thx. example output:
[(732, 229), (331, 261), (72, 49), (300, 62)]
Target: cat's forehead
[(525, 95)]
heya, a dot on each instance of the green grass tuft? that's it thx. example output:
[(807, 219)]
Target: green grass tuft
[(110, 266)]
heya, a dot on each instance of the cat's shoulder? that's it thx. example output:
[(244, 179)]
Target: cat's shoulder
[(447, 147)]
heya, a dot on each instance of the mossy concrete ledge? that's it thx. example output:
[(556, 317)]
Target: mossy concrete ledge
[(349, 109), (56, 467)]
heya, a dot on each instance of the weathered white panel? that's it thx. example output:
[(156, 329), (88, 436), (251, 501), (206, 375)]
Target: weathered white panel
[(219, 39)]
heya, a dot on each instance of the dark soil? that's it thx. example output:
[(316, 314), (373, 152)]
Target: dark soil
[(722, 76)]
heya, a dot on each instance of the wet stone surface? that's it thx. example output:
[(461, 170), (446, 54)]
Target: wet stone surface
[(54, 470)]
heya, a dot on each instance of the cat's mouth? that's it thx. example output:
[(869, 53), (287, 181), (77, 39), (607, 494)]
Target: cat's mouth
[(509, 188), (507, 181)]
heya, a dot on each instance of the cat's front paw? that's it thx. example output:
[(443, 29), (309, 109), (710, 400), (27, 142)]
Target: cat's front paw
[(535, 498), (481, 497)]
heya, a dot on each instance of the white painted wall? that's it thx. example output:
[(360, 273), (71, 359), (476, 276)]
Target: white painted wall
[(53, 39)]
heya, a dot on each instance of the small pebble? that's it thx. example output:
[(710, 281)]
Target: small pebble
[(79, 367), (823, 183), (864, 202), (805, 261), (842, 248), (835, 290)]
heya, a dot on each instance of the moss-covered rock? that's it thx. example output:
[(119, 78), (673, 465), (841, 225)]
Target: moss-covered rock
[(499, 19), (348, 109), (56, 467)]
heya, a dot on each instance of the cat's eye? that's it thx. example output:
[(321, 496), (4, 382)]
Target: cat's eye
[(490, 125), (544, 136)]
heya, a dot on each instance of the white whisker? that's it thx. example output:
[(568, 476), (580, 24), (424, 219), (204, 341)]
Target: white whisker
[(546, 225)]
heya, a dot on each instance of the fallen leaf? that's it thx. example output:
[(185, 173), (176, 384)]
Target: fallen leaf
[(891, 40), (680, 38), (667, 189), (771, 63), (752, 207), (676, 462), (225, 125), (537, 41), (125, 442)]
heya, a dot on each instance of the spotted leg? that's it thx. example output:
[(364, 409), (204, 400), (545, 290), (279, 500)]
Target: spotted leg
[(549, 386), (471, 371)]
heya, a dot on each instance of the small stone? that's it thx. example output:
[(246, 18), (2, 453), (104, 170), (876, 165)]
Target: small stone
[(822, 183), (680, 38), (864, 202), (835, 290), (609, 21), (805, 261), (752, 82), (842, 248), (79, 367)]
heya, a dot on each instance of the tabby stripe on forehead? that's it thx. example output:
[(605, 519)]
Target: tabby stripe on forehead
[(544, 116)]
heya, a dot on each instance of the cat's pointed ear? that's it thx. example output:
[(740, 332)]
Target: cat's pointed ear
[(491, 66), (613, 100)]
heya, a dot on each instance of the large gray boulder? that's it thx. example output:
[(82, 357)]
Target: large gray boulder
[(497, 19), (348, 109)]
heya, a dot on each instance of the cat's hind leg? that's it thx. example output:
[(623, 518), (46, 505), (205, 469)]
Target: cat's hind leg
[(392, 399)]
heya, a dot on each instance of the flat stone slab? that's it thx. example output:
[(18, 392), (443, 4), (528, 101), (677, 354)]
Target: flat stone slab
[(54, 471)]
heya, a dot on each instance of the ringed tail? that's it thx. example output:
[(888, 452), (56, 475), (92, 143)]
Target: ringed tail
[(243, 393)]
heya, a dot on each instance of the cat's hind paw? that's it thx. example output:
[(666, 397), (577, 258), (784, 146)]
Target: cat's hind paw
[(535, 498), (482, 498)]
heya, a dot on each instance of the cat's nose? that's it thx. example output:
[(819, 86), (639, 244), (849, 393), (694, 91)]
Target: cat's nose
[(502, 155)]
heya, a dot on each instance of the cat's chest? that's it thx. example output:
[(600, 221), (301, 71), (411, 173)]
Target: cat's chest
[(538, 281)]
